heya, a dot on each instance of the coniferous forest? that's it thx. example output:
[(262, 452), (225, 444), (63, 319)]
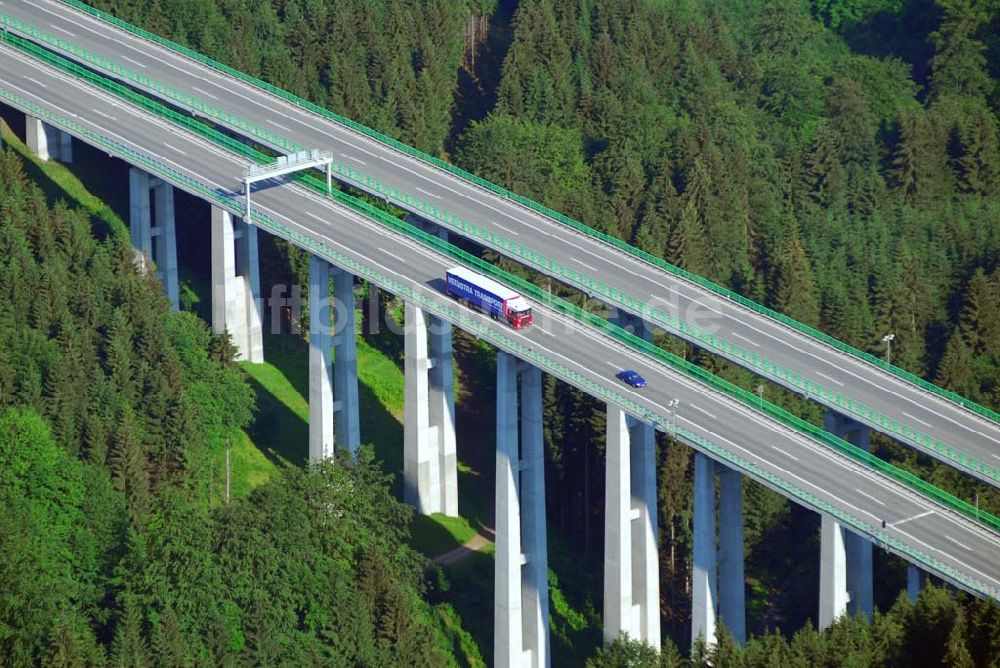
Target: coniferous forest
[(836, 160)]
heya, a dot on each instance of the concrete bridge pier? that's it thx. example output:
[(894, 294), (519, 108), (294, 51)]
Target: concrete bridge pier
[(857, 550), (704, 576), (631, 564), (151, 226), (732, 584), (346, 407), (321, 430), (916, 580), (430, 481), (236, 302), (833, 595), (333, 362), (718, 586), (521, 602), (48, 142)]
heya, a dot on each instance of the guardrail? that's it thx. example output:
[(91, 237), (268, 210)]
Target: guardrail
[(543, 210), (615, 297), (541, 296), (463, 318)]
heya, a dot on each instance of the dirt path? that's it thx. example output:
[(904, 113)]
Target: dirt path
[(471, 546)]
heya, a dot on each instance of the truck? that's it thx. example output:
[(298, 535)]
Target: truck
[(488, 296)]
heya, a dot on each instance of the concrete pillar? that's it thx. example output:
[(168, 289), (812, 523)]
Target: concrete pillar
[(320, 384), (860, 586), (65, 140), (164, 239), (140, 215), (508, 643), (535, 572), (430, 471), (732, 605), (441, 395), (345, 368), (48, 142), (631, 563), (832, 573), (421, 463), (916, 580), (619, 611), (704, 583), (236, 303), (645, 552), (157, 242)]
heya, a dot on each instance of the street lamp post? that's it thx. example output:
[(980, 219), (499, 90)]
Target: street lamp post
[(760, 393), (887, 340)]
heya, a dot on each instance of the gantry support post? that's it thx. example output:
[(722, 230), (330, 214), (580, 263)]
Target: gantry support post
[(430, 480), (321, 419), (345, 368), (236, 304), (860, 586), (521, 620), (704, 591)]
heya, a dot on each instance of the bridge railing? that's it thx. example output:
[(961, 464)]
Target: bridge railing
[(595, 287), (464, 319), (558, 304), (545, 211)]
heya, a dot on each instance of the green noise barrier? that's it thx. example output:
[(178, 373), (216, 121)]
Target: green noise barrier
[(539, 208), (613, 296), (464, 319), (670, 322), (556, 303)]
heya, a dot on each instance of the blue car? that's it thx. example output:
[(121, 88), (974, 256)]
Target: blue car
[(631, 377)]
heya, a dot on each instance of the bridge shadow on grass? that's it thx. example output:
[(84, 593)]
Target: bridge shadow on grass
[(91, 182), (281, 424)]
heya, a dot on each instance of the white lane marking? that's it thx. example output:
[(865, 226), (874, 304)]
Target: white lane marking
[(787, 454), (734, 445), (878, 501), (860, 511), (134, 62), (914, 417), (925, 544), (186, 69), (283, 127), (350, 157), (506, 229), (174, 148), (995, 455), (204, 92), (35, 81), (545, 331), (581, 262), (702, 410), (915, 517), (740, 336), (101, 113), (55, 27), (963, 545), (393, 255), (832, 380), (427, 192)]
